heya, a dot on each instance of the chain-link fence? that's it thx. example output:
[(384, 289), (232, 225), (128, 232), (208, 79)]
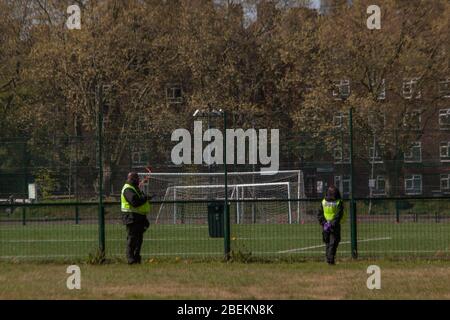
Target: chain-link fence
[(399, 181), (259, 230)]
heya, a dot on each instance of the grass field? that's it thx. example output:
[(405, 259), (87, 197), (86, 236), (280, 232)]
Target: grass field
[(181, 261), (185, 279), (69, 241)]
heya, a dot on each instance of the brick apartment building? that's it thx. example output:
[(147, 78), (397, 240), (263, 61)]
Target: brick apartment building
[(422, 169)]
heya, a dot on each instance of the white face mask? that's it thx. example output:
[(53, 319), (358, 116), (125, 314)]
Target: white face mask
[(330, 203)]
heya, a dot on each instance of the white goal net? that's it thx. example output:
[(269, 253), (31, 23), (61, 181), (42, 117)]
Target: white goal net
[(254, 197)]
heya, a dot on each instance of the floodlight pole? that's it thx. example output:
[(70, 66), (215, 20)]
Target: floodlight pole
[(209, 162), (226, 214), (353, 231), (101, 210)]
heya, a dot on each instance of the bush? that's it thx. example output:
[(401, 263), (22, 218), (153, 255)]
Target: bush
[(45, 182)]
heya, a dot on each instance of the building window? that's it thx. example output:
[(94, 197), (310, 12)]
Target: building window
[(139, 156), (413, 184), (413, 120), (381, 90), (341, 155), (174, 93), (410, 89), (444, 119), (142, 125), (340, 120), (444, 88), (415, 153), (310, 185), (444, 151), (445, 182), (376, 120), (341, 89), (343, 184), (378, 185), (375, 154)]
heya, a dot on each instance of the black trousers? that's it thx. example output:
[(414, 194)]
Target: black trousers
[(331, 240), (135, 237)]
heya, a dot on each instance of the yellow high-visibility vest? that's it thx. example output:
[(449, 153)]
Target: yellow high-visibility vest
[(127, 207), (330, 209)]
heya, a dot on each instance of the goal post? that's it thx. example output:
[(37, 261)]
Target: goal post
[(237, 193), (247, 190)]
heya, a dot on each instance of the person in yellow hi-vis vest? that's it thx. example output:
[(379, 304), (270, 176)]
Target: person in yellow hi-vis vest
[(330, 216), (134, 207)]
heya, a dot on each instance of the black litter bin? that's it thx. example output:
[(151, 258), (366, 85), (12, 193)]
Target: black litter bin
[(215, 219)]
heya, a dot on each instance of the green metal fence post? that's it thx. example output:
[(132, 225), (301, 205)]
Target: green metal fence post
[(397, 211), (25, 179), (353, 219), (226, 215), (77, 210), (101, 211), (24, 216), (77, 215)]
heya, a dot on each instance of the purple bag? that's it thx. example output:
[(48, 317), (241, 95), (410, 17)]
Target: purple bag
[(327, 226)]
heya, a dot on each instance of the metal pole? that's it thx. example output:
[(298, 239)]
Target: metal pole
[(24, 216), (397, 211), (236, 192), (353, 220), (77, 214), (253, 188), (101, 211), (76, 174), (289, 203), (226, 215), (395, 184), (372, 172), (25, 180), (298, 197), (209, 164), (242, 204), (175, 205)]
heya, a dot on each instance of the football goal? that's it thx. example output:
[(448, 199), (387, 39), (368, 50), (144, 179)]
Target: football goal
[(255, 197)]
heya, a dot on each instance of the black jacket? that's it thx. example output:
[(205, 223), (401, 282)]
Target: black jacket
[(336, 220), (135, 200)]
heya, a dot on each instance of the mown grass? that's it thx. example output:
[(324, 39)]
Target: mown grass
[(67, 240), (186, 279)]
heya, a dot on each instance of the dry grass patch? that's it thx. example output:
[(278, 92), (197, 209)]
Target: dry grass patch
[(309, 280)]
